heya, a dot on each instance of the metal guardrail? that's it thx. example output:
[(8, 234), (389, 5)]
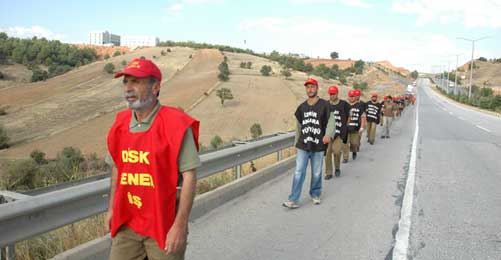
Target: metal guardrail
[(28, 217)]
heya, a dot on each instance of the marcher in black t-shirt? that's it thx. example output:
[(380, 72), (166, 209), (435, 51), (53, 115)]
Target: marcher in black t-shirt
[(312, 118), (339, 111), (373, 115)]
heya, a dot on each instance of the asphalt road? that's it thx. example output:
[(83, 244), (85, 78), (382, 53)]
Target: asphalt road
[(457, 198), (456, 210)]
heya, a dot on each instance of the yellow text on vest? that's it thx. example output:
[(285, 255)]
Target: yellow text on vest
[(137, 179), (133, 156)]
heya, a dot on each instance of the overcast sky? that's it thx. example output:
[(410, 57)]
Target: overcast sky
[(416, 34)]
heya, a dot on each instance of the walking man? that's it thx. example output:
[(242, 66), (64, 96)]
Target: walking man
[(389, 109), (356, 125), (152, 147), (373, 112), (339, 111), (312, 118)]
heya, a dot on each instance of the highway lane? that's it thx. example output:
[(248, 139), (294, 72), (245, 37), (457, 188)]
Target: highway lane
[(457, 203)]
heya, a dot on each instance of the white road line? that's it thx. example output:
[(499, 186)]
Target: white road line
[(400, 251), (450, 113), (485, 129), (462, 118)]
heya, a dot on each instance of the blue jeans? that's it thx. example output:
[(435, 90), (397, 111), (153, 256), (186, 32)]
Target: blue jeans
[(302, 158)]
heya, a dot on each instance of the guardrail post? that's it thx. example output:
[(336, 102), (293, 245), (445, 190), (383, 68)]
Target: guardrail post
[(8, 253), (279, 155), (238, 171)]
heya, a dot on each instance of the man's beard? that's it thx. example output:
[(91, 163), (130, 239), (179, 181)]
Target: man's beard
[(138, 104), (312, 95)]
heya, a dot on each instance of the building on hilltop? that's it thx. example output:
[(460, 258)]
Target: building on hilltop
[(139, 41), (103, 38)]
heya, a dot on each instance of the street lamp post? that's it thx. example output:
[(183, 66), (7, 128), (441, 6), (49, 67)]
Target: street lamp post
[(471, 65)]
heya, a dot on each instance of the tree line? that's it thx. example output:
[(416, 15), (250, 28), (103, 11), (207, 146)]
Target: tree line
[(58, 57)]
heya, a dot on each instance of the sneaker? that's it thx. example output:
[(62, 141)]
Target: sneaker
[(387, 136), (338, 173), (316, 200), (354, 155), (290, 204), (383, 137), (345, 161), (328, 177)]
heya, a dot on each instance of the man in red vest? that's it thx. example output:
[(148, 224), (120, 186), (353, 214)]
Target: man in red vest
[(152, 148)]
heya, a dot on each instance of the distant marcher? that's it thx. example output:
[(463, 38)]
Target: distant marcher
[(389, 109), (373, 114)]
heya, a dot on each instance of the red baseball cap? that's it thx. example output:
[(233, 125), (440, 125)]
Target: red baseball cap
[(141, 68), (311, 81), (351, 93), (333, 90), (374, 94), (357, 92)]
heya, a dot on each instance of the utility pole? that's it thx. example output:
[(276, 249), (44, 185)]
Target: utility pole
[(471, 62)]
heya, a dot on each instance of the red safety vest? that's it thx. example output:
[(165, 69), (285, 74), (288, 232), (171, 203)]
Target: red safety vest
[(147, 165)]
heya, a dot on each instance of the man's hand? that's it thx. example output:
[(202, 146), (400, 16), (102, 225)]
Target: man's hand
[(327, 139), (176, 238), (361, 130), (107, 220)]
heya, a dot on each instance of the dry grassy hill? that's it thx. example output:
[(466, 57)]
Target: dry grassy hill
[(77, 108), (486, 74)]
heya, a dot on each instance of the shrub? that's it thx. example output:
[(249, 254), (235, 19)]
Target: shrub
[(256, 130), (224, 94), (4, 139), (38, 156), (39, 75), (216, 142), (106, 56), (124, 62), (109, 68), (116, 53)]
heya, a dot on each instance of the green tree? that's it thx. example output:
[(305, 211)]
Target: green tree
[(256, 130), (243, 64), (4, 139), (124, 62), (359, 67), (216, 142), (1, 75), (109, 67), (266, 70), (224, 94), (334, 55), (116, 53), (415, 74), (360, 85), (249, 65), (224, 71), (106, 56)]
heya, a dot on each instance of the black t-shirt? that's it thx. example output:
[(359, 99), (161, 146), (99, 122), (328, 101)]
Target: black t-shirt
[(313, 120), (341, 111), (355, 116), (373, 111)]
